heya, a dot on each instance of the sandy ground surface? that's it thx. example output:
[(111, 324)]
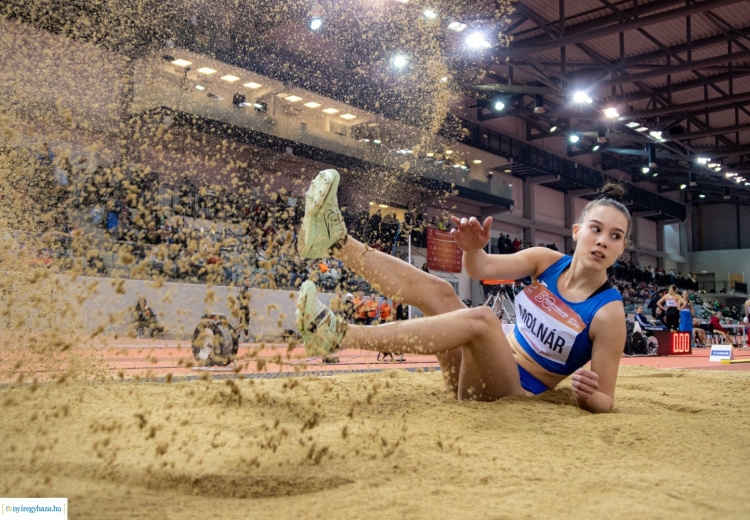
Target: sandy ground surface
[(382, 445)]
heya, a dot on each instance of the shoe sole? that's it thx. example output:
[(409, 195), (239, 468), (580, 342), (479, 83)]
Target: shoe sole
[(319, 202), (332, 187)]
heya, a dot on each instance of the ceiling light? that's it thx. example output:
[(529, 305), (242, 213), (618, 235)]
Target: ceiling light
[(552, 128), (477, 161), (641, 129), (348, 117), (330, 111), (477, 40), (645, 169), (456, 26), (730, 174), (747, 184), (539, 104), (498, 105), (200, 87), (574, 138), (702, 160), (429, 14), (595, 148), (656, 134), (582, 97), (611, 112), (206, 70), (316, 22), (229, 78), (656, 174), (683, 186), (430, 154), (400, 61), (293, 99), (702, 195), (182, 63), (717, 169), (633, 124), (252, 85), (312, 104), (448, 152), (376, 141), (507, 170)]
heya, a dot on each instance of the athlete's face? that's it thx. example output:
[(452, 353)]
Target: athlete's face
[(600, 238)]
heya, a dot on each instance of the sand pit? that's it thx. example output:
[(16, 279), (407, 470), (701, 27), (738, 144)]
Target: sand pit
[(386, 445)]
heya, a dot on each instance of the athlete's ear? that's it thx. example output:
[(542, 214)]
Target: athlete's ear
[(576, 228)]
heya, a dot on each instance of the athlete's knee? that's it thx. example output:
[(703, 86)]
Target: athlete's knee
[(483, 319), (441, 296)]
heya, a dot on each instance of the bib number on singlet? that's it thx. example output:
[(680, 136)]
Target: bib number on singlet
[(548, 324)]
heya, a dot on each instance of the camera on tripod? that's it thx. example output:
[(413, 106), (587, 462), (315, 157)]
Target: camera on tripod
[(499, 296)]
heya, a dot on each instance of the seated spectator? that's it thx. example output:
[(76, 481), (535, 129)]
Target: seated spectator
[(715, 324), (146, 319), (646, 324)]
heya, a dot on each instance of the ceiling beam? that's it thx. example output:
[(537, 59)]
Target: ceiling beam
[(727, 102), (680, 87), (610, 25), (648, 58), (715, 153), (673, 69), (708, 133)]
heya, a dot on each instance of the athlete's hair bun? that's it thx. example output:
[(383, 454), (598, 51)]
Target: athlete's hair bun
[(612, 191)]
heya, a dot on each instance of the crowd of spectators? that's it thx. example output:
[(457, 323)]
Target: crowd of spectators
[(202, 233)]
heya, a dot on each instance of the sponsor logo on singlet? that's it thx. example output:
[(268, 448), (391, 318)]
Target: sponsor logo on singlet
[(548, 324)]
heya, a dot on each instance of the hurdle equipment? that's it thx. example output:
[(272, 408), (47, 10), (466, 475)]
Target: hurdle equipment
[(734, 361)]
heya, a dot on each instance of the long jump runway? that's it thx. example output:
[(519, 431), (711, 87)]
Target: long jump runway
[(151, 359)]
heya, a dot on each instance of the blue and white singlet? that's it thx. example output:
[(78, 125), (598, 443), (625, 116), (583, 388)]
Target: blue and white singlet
[(553, 331)]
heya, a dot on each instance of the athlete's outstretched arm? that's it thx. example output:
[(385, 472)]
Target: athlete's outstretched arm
[(472, 236)]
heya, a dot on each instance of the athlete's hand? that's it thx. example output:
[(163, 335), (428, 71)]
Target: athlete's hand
[(470, 234), (585, 383)]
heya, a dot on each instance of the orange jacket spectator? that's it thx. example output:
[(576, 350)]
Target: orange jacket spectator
[(371, 308), (384, 310), (360, 312)]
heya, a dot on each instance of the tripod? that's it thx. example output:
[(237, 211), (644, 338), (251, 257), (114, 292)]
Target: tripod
[(500, 300)]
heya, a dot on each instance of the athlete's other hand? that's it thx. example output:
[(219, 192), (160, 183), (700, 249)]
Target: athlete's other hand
[(585, 383), (470, 234)]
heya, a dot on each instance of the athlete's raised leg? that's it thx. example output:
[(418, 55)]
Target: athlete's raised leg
[(324, 234), (488, 370)]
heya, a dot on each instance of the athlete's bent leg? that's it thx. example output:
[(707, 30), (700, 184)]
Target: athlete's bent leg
[(488, 370)]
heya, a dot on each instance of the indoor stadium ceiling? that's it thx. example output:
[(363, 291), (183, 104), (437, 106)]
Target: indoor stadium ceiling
[(676, 72)]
